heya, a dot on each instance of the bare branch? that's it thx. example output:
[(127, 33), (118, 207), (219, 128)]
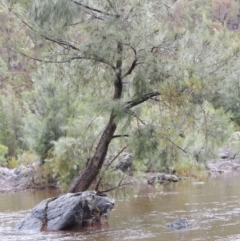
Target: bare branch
[(119, 185), (108, 165)]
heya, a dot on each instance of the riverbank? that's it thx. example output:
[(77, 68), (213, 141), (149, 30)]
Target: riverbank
[(25, 178)]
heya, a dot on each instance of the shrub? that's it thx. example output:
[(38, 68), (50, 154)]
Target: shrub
[(191, 169), (12, 163), (3, 153)]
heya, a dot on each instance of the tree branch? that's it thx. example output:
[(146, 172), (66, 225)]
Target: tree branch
[(116, 136), (63, 44), (118, 85), (119, 185), (134, 114), (140, 100), (134, 63), (222, 64), (94, 9), (175, 145), (60, 42), (108, 165), (66, 60), (43, 60)]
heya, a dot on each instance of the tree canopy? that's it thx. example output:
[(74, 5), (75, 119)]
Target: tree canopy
[(140, 76)]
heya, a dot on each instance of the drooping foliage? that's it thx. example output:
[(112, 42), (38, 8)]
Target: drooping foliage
[(130, 74)]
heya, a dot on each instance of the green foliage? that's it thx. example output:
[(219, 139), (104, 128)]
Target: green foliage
[(3, 69), (211, 130), (146, 142), (228, 97), (143, 47), (12, 163), (65, 161), (27, 158), (111, 179), (10, 123), (187, 137), (191, 169), (234, 142), (48, 108)]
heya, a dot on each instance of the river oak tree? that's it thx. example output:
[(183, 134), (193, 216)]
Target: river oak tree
[(164, 55)]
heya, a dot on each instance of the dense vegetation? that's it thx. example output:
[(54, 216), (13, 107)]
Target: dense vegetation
[(84, 81)]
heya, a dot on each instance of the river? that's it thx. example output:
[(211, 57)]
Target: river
[(212, 209)]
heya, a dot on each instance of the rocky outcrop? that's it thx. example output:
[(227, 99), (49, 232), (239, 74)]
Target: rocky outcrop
[(228, 161), (70, 211), (24, 178), (16, 173), (16, 179), (220, 166)]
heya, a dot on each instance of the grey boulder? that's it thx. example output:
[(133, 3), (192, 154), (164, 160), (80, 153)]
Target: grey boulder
[(70, 211), (180, 223)]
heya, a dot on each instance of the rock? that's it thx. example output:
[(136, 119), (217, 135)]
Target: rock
[(225, 153), (125, 163), (222, 166), (152, 180), (180, 223), (171, 178), (17, 179), (22, 171), (161, 178), (67, 212), (198, 183)]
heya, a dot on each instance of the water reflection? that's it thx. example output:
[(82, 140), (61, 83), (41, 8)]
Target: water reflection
[(24, 200), (212, 210)]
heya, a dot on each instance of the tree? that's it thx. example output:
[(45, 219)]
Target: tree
[(15, 67), (159, 55), (10, 123), (47, 108)]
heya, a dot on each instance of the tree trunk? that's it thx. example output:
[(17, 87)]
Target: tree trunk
[(94, 166)]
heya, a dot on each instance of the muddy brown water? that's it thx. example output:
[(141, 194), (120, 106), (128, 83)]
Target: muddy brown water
[(212, 209)]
